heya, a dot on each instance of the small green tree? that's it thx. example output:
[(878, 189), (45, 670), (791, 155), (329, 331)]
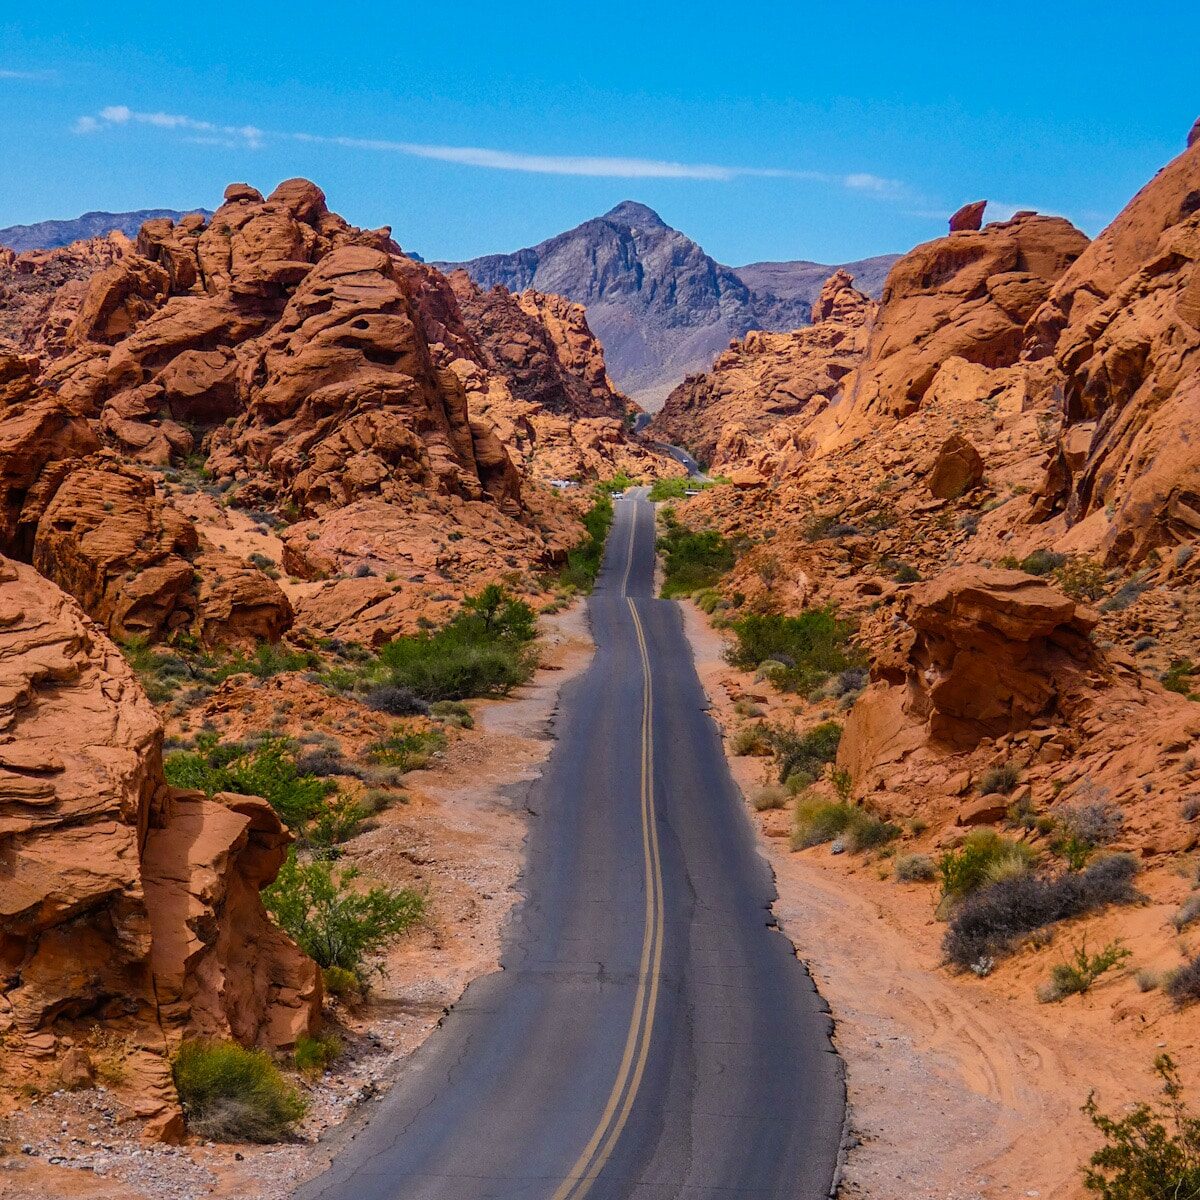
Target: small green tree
[(334, 923), (1151, 1154)]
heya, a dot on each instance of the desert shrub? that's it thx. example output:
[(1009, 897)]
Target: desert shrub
[(1152, 1153), (337, 822), (977, 860), (1081, 578), (331, 920), (323, 761), (798, 781), (818, 821), (810, 647), (1125, 595), (269, 658), (986, 923), (768, 798), (482, 651), (160, 672), (819, 528), (313, 1055), (808, 751), (915, 868), (268, 770), (1042, 562), (1002, 779), (583, 560), (1190, 808), (341, 983), (1177, 677), (1188, 912), (1147, 980), (406, 751), (906, 573), (1183, 984), (396, 701), (453, 712), (1081, 829), (869, 832), (749, 739), (231, 1094), (692, 559), (1077, 976)]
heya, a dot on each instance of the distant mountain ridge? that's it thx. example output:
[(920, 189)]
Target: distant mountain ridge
[(49, 235), (660, 305)]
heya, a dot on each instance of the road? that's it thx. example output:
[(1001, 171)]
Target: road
[(651, 1035)]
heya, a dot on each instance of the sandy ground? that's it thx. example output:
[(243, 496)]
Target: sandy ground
[(461, 838), (960, 1088)]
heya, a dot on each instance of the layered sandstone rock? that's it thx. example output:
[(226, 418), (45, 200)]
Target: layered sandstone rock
[(767, 377), (968, 295), (538, 381), (124, 904), (1120, 334)]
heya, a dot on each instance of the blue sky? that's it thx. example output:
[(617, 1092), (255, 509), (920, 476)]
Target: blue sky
[(777, 130)]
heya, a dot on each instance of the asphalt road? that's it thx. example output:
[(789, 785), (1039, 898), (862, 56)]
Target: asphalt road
[(651, 1036)]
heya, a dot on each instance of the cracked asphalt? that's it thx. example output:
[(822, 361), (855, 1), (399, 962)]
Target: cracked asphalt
[(742, 1096)]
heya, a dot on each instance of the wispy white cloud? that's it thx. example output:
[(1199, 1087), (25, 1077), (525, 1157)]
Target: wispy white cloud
[(597, 166), (27, 76)]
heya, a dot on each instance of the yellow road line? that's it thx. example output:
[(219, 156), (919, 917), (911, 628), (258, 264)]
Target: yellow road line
[(625, 1087)]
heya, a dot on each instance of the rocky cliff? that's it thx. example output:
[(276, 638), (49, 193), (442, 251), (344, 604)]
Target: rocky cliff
[(661, 306)]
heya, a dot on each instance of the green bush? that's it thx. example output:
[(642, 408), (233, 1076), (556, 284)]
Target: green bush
[(231, 1094), (806, 752), (1077, 976), (674, 488), (341, 983), (693, 560), (810, 647), (584, 560), (984, 857), (1002, 779), (337, 822), (268, 770), (453, 712), (818, 821), (269, 658), (482, 651), (333, 922), (313, 1055), (1183, 984), (749, 739), (406, 751), (1153, 1153)]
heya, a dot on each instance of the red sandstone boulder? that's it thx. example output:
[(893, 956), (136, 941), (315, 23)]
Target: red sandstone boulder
[(970, 216), (957, 468)]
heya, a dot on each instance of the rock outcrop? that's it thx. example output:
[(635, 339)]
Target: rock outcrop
[(767, 377), (1119, 336), (970, 216), (969, 296), (125, 904)]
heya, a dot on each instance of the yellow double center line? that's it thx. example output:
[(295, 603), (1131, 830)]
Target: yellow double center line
[(612, 1121)]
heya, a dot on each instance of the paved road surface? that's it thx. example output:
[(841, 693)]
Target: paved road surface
[(651, 1036)]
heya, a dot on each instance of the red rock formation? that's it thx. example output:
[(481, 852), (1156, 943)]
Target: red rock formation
[(967, 295), (767, 377), (1120, 334), (957, 469), (969, 217), (123, 902)]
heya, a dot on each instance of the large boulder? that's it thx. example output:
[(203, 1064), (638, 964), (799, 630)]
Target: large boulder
[(126, 906)]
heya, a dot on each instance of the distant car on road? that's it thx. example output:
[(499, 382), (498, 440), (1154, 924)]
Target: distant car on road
[(618, 495)]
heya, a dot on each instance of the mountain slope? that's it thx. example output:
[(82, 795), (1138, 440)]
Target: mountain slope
[(661, 306), (49, 235)]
